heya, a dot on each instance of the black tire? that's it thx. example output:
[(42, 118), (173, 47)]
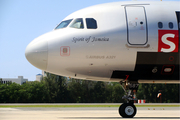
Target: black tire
[(127, 110)]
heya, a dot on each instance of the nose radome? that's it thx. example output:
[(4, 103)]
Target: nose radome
[(36, 53)]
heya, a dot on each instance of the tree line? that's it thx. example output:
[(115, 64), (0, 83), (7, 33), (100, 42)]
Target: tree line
[(57, 89)]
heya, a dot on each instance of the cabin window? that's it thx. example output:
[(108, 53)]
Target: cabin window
[(77, 23), (91, 23), (160, 24), (171, 25), (63, 24)]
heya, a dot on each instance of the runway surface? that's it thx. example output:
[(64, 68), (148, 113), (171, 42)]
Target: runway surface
[(87, 113)]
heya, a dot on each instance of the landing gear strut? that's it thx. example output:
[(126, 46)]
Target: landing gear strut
[(128, 109)]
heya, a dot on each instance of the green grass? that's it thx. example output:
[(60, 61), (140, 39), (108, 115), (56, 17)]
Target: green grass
[(157, 105), (65, 106)]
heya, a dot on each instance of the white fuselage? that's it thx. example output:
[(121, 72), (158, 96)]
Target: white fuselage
[(123, 30)]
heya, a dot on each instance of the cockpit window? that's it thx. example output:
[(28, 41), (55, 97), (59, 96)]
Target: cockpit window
[(63, 24), (77, 23), (91, 23)]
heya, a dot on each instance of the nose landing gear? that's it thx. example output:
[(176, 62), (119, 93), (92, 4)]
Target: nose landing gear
[(128, 109)]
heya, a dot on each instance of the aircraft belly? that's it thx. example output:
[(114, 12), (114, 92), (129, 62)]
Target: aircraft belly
[(157, 65), (152, 66)]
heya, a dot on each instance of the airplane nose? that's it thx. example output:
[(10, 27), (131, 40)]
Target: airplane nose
[(36, 53)]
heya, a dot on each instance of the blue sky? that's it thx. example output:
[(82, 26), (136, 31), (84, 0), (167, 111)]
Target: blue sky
[(23, 20)]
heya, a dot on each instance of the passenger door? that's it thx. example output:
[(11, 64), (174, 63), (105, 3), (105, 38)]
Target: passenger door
[(136, 25)]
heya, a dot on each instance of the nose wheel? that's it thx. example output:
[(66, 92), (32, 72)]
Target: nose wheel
[(127, 110)]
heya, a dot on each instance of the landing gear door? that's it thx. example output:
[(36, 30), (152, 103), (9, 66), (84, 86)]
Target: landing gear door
[(136, 25)]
